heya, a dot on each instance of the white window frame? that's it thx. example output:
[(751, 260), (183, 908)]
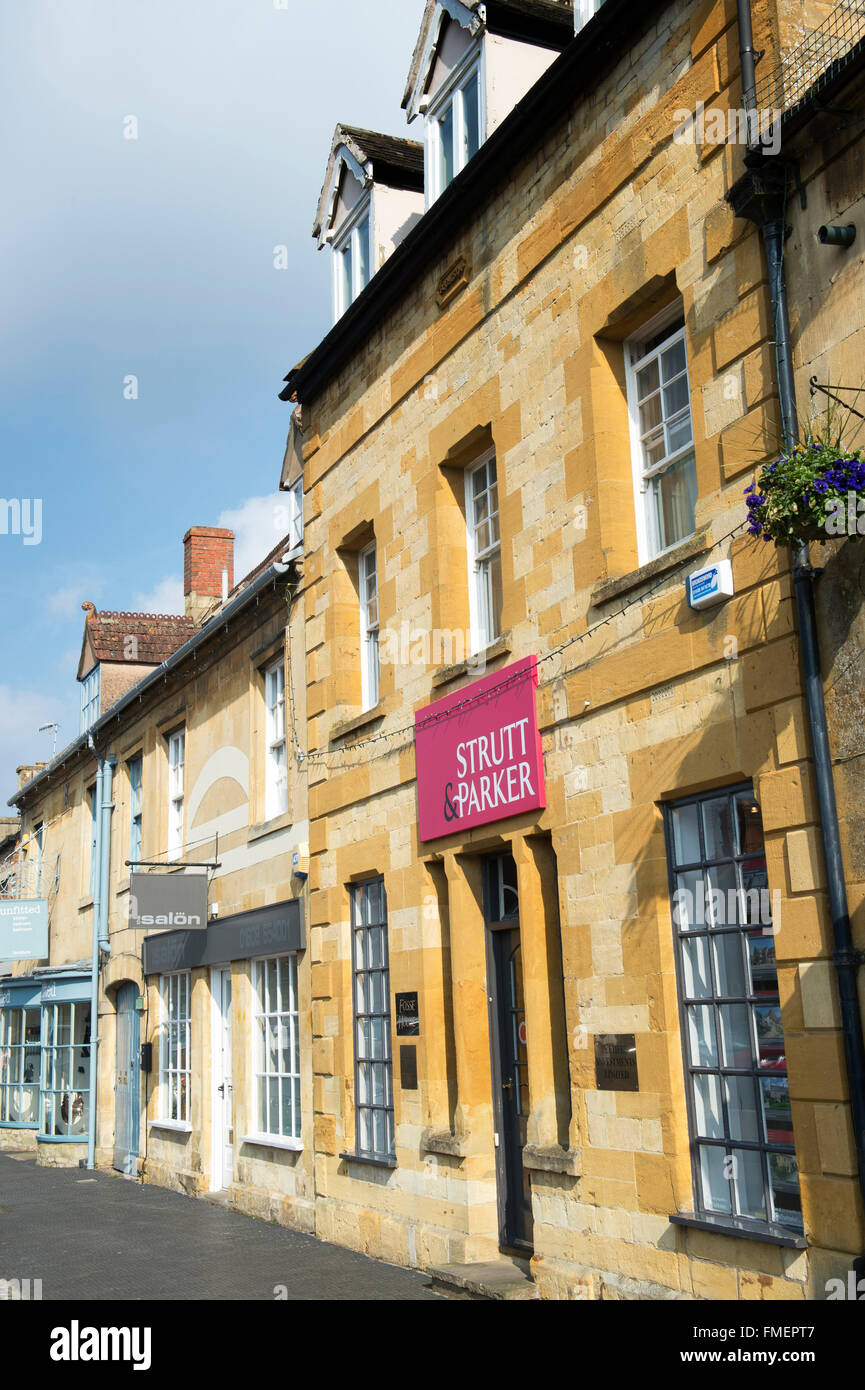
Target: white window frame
[(276, 772), (648, 541), (583, 12), (90, 692), (471, 65), (176, 773), (485, 624), (370, 665), (175, 1048), (136, 820), (295, 515), (349, 236), (282, 1022)]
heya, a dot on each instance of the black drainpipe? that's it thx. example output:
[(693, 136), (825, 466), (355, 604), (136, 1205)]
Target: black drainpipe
[(761, 196)]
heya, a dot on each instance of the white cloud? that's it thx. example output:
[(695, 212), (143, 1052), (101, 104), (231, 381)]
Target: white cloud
[(259, 524), (66, 602), (164, 597)]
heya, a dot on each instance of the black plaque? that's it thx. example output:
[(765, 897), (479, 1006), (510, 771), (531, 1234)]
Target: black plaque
[(616, 1062), (407, 1015), (408, 1067)]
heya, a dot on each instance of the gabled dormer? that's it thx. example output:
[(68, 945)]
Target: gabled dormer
[(371, 199), (472, 63)]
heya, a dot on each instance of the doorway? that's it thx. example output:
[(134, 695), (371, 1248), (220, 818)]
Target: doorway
[(222, 1168), (508, 1049), (127, 1099)]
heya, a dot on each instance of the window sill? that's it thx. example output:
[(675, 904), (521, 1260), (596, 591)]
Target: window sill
[(359, 721), (123, 888), (612, 588), (368, 1158), (444, 1141), (730, 1226), (273, 1141), (268, 827), (551, 1159), (176, 1126), (84, 903), (62, 1138), (19, 1124), (473, 664)]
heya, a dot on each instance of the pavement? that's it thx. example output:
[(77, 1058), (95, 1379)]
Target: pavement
[(95, 1236)]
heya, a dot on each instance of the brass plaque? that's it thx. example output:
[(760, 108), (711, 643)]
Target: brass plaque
[(616, 1062)]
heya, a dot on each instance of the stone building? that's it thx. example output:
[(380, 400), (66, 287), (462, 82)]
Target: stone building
[(181, 782), (572, 978)]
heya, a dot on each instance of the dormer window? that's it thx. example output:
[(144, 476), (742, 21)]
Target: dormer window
[(454, 125), (90, 699), (351, 259)]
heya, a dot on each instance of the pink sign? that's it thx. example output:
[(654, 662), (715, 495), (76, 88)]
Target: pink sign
[(479, 755)]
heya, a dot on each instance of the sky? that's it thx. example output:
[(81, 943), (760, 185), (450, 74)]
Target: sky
[(156, 156)]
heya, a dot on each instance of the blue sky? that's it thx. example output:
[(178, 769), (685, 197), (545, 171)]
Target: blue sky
[(153, 258)]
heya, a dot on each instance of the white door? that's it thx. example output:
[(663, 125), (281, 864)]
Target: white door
[(223, 1126)]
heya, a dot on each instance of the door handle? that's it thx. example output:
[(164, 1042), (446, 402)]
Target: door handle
[(507, 1086)]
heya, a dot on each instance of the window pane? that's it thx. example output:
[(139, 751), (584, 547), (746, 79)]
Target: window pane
[(784, 1182), (648, 379), (697, 977), (707, 1107), (735, 1035), (686, 835), (674, 501), (701, 1031), (717, 828), (742, 1109), (777, 1117), (748, 1183), (363, 253), (729, 964), (471, 119), (446, 148), (346, 278), (713, 1179)]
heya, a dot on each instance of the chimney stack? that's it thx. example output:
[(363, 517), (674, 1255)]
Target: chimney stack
[(207, 552)]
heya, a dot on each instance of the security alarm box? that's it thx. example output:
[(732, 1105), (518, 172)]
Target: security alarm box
[(711, 585)]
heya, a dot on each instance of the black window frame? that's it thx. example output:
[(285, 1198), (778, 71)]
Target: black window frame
[(770, 1224), (362, 892)]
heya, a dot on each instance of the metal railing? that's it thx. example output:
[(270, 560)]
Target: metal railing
[(809, 67)]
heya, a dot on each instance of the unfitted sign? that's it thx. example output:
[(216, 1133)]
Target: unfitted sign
[(479, 756), (24, 929)]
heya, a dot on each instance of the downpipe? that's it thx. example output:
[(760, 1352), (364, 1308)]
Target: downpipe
[(101, 883), (845, 957)]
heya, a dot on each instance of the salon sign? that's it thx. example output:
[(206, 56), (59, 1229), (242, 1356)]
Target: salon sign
[(479, 756)]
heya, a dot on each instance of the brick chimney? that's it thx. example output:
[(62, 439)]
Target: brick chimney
[(208, 555)]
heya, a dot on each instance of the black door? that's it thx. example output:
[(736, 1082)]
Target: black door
[(509, 1057)]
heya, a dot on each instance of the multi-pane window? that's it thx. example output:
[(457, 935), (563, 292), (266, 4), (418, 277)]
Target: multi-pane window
[(739, 1097), (135, 809), (176, 760), (369, 648), (65, 1069), (276, 792), (90, 699), (277, 1048), (665, 466), (175, 1065), (454, 130), (373, 1072), (484, 553), (295, 515), (94, 817), (351, 253), (19, 1066)]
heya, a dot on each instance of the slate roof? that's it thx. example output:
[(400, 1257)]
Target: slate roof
[(389, 154)]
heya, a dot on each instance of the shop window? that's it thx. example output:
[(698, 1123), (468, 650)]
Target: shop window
[(277, 1048), (484, 553), (373, 1068), (662, 437), (65, 1102), (744, 1162), (175, 1062), (19, 1066)]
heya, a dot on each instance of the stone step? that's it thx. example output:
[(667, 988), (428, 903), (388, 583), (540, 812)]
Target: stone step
[(503, 1278)]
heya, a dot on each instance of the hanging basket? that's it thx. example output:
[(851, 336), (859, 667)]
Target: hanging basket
[(813, 492)]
